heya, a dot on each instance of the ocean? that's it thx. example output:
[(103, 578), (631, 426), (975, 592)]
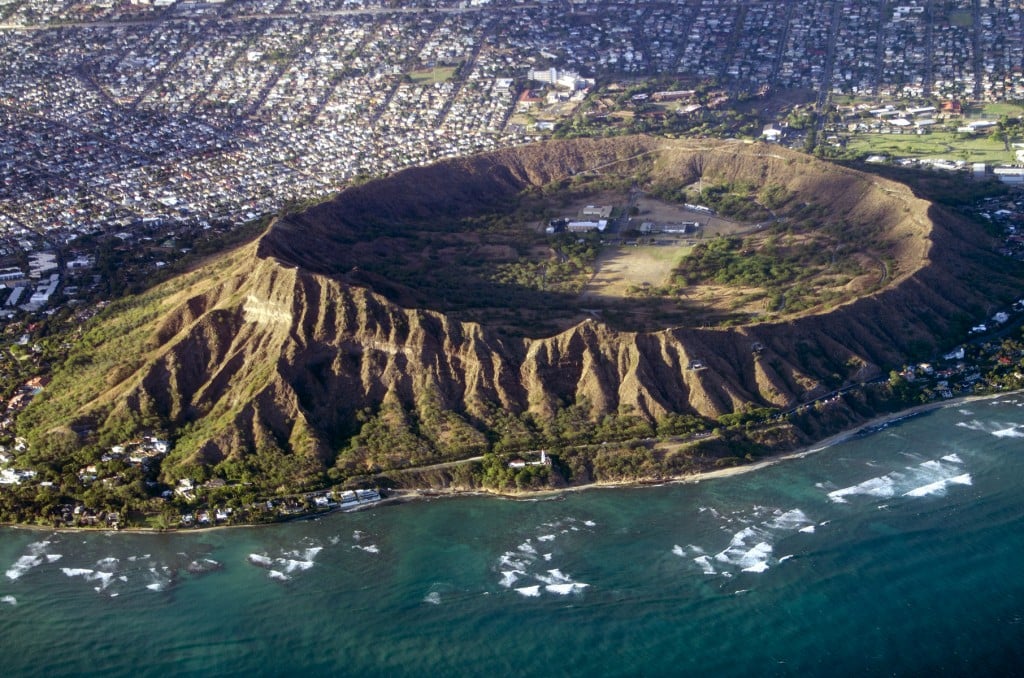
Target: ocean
[(897, 552)]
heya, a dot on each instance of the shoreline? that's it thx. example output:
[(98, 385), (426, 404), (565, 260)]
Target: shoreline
[(405, 496), (879, 421)]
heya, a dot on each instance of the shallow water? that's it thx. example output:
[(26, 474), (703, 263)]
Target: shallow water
[(898, 552)]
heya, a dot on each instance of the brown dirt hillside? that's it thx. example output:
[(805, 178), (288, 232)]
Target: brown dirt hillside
[(279, 347)]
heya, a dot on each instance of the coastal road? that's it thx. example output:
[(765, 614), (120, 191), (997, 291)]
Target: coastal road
[(436, 467)]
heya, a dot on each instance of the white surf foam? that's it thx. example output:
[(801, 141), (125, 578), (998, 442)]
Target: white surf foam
[(705, 564), (157, 583), (434, 598), (103, 578), (53, 557), (565, 589), (928, 477), (307, 555), (931, 488), (1010, 432), (203, 566), (785, 558), (291, 565), (807, 530), (529, 591), (554, 576), (370, 548), (756, 559), (939, 486), (527, 548), (547, 557), (9, 600), (280, 576), (882, 486), (738, 547), (546, 537), (790, 520), (590, 523), (23, 565), (261, 560), (34, 556), (510, 577), (678, 550), (512, 560)]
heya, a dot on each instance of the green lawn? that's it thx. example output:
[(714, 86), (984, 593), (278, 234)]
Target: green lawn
[(945, 145), (997, 109), (962, 18), (429, 76)]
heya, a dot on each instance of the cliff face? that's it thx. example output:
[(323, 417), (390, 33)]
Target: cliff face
[(272, 349)]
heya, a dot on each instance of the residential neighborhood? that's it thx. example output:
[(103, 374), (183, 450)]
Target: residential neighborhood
[(171, 112)]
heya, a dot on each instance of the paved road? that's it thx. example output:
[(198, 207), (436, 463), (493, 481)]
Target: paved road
[(434, 467), (826, 77)]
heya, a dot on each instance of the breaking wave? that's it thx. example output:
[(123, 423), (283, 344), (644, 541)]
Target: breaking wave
[(927, 478), (751, 548)]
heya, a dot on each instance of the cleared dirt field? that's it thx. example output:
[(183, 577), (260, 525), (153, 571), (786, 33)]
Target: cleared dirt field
[(619, 268)]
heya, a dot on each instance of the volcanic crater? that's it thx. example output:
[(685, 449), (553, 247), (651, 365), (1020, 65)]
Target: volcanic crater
[(401, 306)]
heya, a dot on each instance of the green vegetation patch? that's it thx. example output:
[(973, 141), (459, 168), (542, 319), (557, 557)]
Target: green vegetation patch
[(936, 145), (963, 18), (566, 270), (430, 76), (727, 262), (998, 109)]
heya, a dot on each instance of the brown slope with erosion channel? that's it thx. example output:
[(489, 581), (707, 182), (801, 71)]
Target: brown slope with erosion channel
[(274, 356)]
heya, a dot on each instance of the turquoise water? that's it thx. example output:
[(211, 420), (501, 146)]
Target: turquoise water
[(898, 552)]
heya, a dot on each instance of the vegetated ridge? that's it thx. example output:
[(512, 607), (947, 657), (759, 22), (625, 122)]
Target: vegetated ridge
[(281, 363)]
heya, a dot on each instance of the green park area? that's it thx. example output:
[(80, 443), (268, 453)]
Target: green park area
[(936, 145), (430, 76), (994, 110)]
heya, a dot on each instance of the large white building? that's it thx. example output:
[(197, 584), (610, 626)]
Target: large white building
[(566, 79)]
